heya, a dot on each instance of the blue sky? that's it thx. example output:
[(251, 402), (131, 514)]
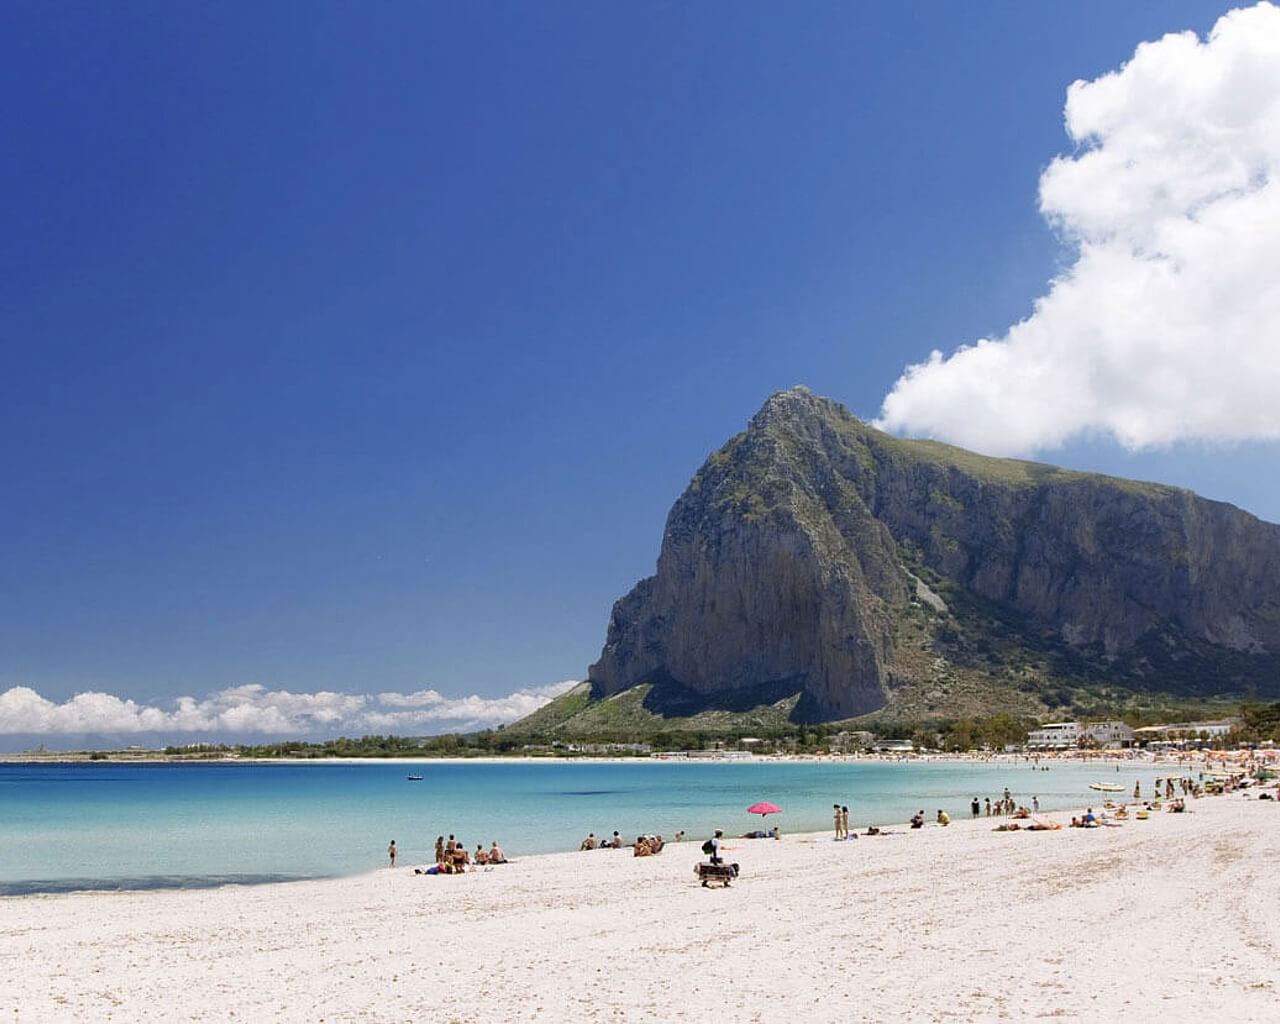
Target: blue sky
[(360, 351)]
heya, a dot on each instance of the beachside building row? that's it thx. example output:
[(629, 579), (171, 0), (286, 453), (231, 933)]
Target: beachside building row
[(1067, 735), (1181, 732)]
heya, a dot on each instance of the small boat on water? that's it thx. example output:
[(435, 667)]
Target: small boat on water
[(1106, 787), (415, 778)]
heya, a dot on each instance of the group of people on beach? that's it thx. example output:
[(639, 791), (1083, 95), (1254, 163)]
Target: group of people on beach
[(1004, 805), (841, 815), (452, 857), (646, 845), (592, 843)]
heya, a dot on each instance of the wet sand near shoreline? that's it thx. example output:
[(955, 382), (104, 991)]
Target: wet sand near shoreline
[(1173, 917)]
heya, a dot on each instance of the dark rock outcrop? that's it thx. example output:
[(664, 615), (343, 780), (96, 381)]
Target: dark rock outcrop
[(788, 556)]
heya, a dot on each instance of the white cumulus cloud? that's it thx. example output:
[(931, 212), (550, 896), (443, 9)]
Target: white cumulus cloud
[(254, 710), (1166, 327)]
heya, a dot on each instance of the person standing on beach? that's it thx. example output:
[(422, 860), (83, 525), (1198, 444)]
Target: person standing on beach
[(844, 822), (975, 807), (835, 813), (439, 849), (391, 852), (988, 807), (1035, 804)]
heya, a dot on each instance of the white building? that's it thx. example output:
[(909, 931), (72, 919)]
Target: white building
[(1054, 736), (1066, 735), (1109, 734), (1181, 732)]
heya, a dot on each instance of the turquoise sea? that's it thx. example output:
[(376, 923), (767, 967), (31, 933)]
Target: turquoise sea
[(110, 825)]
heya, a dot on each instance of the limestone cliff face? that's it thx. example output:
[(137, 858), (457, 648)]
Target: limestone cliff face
[(783, 560)]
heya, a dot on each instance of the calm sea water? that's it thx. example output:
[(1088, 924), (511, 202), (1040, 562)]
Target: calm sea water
[(107, 825)]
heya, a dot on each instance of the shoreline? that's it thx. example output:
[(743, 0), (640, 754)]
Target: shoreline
[(1169, 915), (1123, 757)]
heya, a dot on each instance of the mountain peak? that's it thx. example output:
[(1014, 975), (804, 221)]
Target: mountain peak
[(799, 550)]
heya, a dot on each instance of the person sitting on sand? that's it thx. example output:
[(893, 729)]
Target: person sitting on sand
[(496, 856), (460, 859), (589, 843), (480, 856), (917, 819), (617, 840), (943, 817), (1088, 821)]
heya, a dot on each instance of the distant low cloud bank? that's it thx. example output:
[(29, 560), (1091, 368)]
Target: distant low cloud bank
[(255, 712), (1166, 327)]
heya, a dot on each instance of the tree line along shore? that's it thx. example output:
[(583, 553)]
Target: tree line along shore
[(1252, 724)]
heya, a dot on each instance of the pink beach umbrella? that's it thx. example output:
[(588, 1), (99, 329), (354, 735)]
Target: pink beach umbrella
[(764, 808)]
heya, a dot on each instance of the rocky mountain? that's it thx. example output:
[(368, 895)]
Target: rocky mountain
[(815, 555)]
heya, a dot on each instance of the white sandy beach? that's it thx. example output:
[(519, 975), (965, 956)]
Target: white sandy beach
[(1176, 918)]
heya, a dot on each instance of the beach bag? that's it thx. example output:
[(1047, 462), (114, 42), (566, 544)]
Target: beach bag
[(709, 847)]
